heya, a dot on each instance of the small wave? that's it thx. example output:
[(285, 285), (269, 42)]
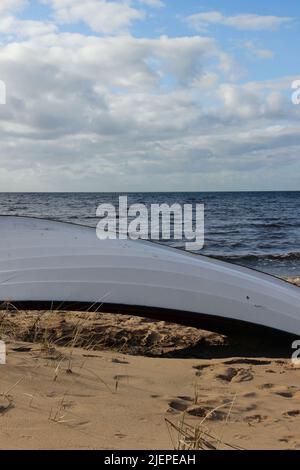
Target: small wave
[(293, 256), (284, 226), (17, 208)]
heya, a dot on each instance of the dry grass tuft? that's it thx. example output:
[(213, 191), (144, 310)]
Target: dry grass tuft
[(185, 436)]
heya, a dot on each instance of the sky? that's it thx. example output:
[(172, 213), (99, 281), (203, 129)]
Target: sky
[(149, 95)]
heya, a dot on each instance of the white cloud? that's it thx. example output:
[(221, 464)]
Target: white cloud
[(120, 113), (9, 25), (83, 112), (250, 22), (13, 27), (102, 16), (264, 53), (259, 52), (10, 6), (152, 3)]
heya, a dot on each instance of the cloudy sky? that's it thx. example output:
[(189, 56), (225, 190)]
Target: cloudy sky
[(148, 95)]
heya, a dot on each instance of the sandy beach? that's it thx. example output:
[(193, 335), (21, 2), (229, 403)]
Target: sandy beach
[(101, 381), (149, 228)]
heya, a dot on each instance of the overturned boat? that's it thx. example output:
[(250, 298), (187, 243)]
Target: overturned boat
[(46, 263)]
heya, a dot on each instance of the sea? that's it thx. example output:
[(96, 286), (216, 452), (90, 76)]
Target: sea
[(260, 230)]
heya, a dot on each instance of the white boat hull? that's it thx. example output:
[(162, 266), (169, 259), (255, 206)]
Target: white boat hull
[(45, 261)]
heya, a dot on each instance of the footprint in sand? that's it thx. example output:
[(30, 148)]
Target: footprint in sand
[(292, 414), (250, 395), (201, 368), (208, 413), (177, 406), (288, 392), (235, 375), (255, 419), (252, 362), (185, 398), (291, 441), (6, 404), (286, 439), (248, 409), (268, 386), (186, 404)]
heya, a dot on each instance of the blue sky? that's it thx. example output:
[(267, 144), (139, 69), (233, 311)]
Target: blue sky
[(128, 95), (170, 20)]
